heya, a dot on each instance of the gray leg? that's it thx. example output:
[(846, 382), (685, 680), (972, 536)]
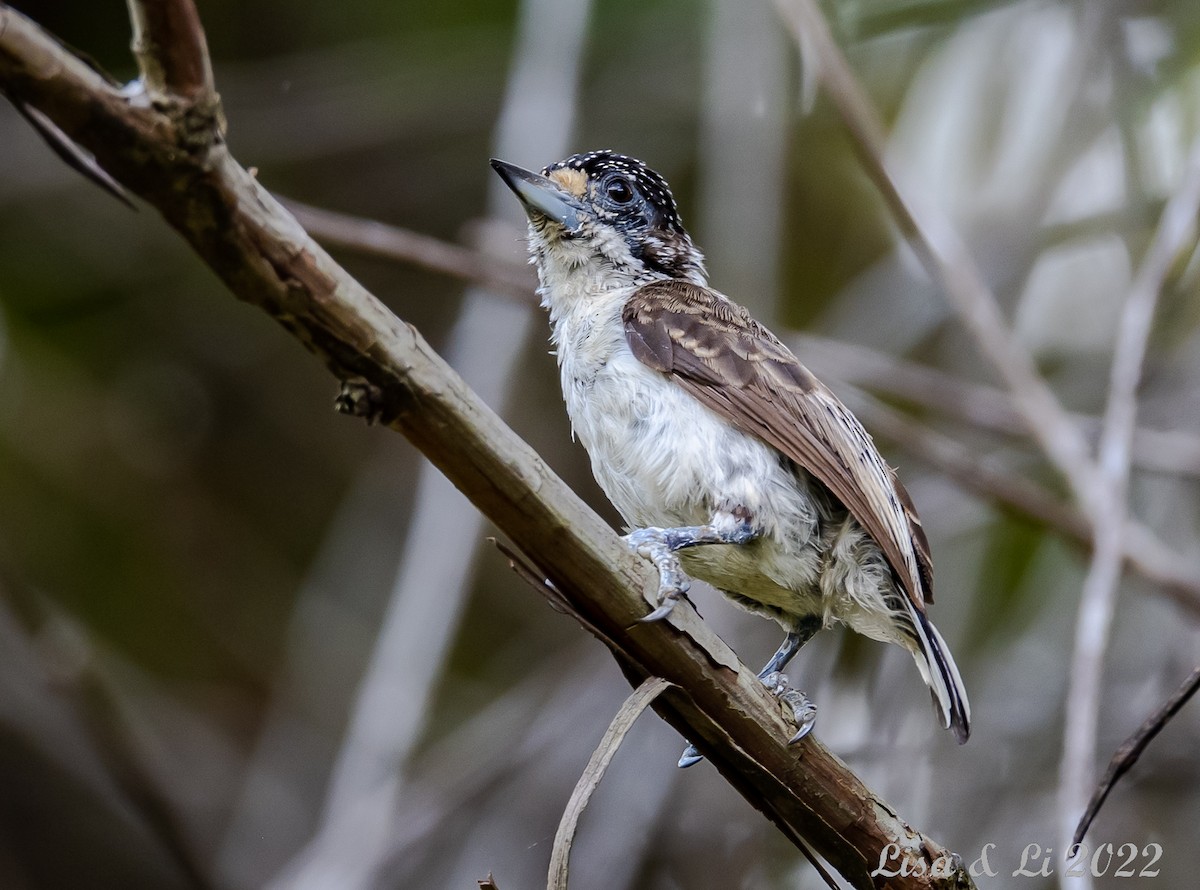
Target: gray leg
[(805, 630), (803, 710), (659, 545)]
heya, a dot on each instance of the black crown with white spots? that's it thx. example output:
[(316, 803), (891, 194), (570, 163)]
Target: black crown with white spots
[(626, 194), (596, 164)]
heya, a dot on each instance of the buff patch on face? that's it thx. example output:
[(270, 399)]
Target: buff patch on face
[(573, 181)]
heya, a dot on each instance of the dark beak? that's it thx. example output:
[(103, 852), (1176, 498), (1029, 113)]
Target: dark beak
[(540, 195)]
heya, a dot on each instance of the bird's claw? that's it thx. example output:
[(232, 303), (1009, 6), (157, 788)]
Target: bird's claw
[(690, 757), (655, 545), (776, 682), (667, 607), (804, 712)]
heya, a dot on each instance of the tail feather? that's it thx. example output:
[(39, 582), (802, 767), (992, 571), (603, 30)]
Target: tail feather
[(945, 683)]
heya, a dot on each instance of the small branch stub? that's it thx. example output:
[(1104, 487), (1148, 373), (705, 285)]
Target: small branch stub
[(360, 398), (171, 50)]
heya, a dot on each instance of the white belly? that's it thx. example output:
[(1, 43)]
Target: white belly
[(665, 460)]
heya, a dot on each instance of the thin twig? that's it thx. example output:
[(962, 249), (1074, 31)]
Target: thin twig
[(1098, 600), (1129, 752), (378, 239), (72, 155), (537, 580), (637, 702), (941, 250)]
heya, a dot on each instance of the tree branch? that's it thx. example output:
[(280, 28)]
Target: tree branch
[(170, 48), (266, 258)]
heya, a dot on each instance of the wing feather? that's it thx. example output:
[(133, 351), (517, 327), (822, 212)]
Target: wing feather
[(737, 368)]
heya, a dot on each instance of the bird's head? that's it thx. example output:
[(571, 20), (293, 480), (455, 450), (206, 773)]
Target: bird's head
[(606, 215)]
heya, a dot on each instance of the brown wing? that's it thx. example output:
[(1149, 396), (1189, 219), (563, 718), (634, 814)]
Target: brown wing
[(739, 369)]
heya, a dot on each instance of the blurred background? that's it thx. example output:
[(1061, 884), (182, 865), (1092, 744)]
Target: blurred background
[(247, 642)]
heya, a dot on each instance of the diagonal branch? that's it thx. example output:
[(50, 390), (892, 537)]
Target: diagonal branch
[(266, 259), (1131, 749), (75, 665)]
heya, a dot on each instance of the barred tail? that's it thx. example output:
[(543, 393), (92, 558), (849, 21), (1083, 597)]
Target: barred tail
[(941, 676)]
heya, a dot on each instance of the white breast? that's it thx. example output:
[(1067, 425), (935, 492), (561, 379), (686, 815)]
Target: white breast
[(663, 459)]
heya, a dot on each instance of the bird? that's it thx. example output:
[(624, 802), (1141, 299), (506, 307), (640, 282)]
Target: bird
[(727, 459)]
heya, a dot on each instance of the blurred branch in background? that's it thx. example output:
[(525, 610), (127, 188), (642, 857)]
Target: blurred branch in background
[(743, 150), (180, 165), (983, 407), (1099, 485), (1176, 231), (993, 480), (943, 253), (373, 238), (77, 692), (339, 606)]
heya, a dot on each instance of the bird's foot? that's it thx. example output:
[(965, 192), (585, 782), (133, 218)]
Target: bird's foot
[(659, 545), (804, 712)]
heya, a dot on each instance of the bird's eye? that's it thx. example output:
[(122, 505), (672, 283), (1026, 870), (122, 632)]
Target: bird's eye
[(619, 190)]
